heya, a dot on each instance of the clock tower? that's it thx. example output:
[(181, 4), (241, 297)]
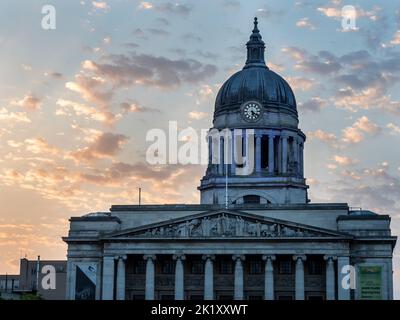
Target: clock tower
[(255, 126)]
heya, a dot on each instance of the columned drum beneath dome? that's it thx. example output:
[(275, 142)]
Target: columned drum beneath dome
[(257, 107)]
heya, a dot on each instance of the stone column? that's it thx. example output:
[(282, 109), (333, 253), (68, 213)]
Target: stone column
[(221, 157), (179, 277), (108, 278), (299, 280), (343, 293), (238, 293), (330, 277), (296, 156), (69, 286), (150, 276), (208, 277), (271, 153), (209, 151), (121, 278), (279, 157), (233, 149), (284, 154), (258, 152), (301, 159), (269, 277)]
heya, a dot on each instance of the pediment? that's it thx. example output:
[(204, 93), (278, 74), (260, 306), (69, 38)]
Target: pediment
[(226, 224)]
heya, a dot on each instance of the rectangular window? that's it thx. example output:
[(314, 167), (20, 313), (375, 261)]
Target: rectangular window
[(226, 267), (197, 267), (285, 267), (255, 267), (315, 267), (167, 267), (139, 267)]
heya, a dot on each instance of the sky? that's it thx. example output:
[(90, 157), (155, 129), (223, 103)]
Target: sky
[(77, 101)]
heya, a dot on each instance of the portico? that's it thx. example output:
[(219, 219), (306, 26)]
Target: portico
[(251, 280)]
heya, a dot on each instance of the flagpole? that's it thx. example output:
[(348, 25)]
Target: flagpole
[(226, 185)]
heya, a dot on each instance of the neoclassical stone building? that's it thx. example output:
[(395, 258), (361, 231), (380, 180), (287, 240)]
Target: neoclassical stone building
[(262, 239)]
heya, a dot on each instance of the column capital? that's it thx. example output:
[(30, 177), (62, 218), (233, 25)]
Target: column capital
[(258, 134), (123, 257), (179, 257), (266, 257), (328, 257), (208, 256), (149, 256), (238, 256), (302, 257)]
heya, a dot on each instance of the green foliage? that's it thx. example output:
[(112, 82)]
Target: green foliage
[(31, 296)]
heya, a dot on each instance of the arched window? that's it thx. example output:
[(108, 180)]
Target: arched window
[(251, 199)]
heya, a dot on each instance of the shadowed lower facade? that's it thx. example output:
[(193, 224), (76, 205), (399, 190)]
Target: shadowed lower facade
[(261, 240)]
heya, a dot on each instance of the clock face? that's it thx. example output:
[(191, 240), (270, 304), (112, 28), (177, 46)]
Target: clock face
[(252, 111)]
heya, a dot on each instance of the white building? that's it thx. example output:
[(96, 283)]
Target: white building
[(267, 242)]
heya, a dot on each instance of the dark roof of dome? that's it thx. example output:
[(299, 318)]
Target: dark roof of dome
[(256, 81)]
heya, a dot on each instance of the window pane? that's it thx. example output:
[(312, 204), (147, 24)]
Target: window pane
[(285, 267)]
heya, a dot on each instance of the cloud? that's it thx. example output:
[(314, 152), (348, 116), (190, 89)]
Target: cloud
[(344, 161), (328, 138), (138, 32), (305, 23), (30, 102), (322, 63), (80, 109), (295, 53), (136, 107), (396, 38), (158, 32), (231, 3), (336, 12), (330, 12), (163, 21), (145, 5), (53, 74), (197, 115), (90, 88), (175, 8), (314, 104), (168, 7), (270, 13), (147, 70), (190, 36), (13, 117), (372, 33), (395, 130), (355, 133), (40, 146), (374, 188), (301, 83), (100, 5), (105, 145), (360, 80)]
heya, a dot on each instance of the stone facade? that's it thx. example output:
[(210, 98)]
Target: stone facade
[(259, 238), (252, 252)]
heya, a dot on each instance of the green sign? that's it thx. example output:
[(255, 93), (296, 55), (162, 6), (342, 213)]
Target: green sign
[(370, 280)]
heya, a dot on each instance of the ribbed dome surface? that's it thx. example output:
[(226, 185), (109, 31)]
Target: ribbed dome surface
[(255, 83)]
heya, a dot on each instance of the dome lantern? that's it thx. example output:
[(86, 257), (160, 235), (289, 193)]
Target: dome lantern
[(255, 49)]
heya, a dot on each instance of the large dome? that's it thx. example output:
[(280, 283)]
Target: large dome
[(255, 82)]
